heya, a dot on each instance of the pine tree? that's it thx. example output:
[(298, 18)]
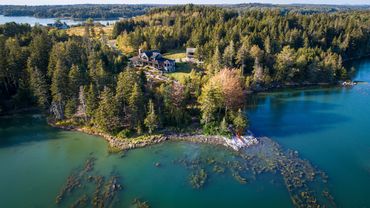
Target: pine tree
[(106, 115), (151, 121), (224, 127), (59, 90), (240, 122), (91, 100), (229, 55), (39, 87), (136, 105), (241, 57), (216, 62), (76, 78)]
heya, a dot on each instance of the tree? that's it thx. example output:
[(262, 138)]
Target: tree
[(240, 122), (229, 55), (106, 115), (76, 78), (232, 88), (210, 101), (285, 63), (257, 54), (222, 92), (124, 43), (224, 127), (91, 100), (136, 104), (242, 57), (216, 62), (125, 84), (59, 90), (151, 121), (39, 87), (40, 47)]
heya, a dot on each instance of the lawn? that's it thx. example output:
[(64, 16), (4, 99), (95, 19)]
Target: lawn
[(175, 54), (80, 30), (182, 71)]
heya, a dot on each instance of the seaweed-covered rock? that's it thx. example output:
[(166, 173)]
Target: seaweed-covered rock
[(198, 179)]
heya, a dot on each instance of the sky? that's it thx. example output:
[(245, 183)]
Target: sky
[(51, 2)]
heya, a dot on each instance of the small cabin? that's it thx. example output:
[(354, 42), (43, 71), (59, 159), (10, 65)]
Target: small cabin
[(190, 54)]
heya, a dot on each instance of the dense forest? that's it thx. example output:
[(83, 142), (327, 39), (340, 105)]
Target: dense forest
[(270, 47), (79, 80), (83, 11)]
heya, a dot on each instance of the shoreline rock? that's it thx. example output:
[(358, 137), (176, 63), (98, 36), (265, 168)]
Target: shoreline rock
[(234, 143)]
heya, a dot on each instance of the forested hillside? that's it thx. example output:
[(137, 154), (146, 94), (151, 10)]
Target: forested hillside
[(79, 80)]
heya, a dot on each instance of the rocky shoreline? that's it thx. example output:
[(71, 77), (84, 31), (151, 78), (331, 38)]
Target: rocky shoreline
[(127, 144)]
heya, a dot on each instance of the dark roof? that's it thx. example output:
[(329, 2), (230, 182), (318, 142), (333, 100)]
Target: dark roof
[(153, 54)]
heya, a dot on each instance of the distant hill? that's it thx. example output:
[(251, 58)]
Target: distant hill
[(114, 11), (298, 8)]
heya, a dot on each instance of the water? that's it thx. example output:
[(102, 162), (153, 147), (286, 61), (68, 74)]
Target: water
[(329, 127), (36, 161), (44, 21)]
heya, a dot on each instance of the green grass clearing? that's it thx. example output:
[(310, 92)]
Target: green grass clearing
[(182, 70), (175, 54)]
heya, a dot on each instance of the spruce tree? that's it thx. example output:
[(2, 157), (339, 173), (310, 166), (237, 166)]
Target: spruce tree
[(151, 121), (240, 122), (91, 100), (106, 115), (136, 106)]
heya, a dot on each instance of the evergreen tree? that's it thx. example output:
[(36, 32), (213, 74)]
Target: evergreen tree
[(216, 62), (91, 100), (136, 106), (39, 87), (151, 121), (240, 122), (229, 55), (76, 78), (106, 115), (59, 90)]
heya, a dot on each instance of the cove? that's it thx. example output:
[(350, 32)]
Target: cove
[(329, 127)]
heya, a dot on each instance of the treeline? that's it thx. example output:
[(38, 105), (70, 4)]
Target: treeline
[(82, 11), (297, 8), (272, 48)]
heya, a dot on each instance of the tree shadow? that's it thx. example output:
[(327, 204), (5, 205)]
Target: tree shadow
[(23, 129)]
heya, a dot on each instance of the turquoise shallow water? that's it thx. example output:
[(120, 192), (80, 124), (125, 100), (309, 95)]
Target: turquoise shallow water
[(329, 127), (37, 159)]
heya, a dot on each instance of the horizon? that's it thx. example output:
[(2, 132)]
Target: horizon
[(181, 2)]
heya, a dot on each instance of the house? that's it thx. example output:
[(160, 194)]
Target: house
[(190, 54), (59, 25), (153, 59)]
